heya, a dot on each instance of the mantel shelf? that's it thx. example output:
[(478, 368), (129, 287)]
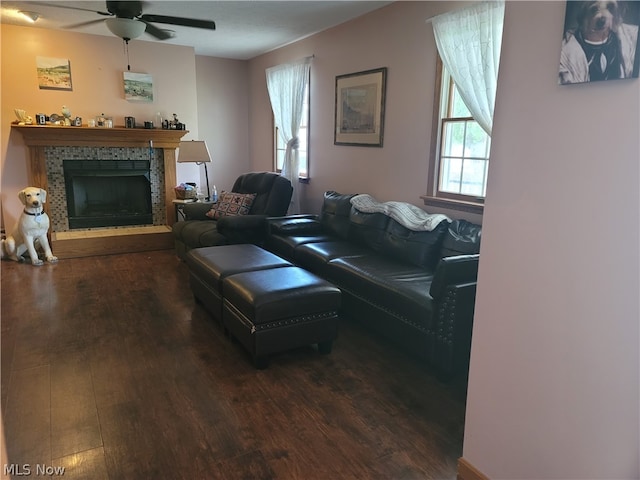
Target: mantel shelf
[(59, 136)]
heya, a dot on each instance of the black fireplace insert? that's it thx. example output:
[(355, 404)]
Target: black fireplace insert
[(108, 193)]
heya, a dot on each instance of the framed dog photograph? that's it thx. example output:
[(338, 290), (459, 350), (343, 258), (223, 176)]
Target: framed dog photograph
[(600, 41), (359, 108)]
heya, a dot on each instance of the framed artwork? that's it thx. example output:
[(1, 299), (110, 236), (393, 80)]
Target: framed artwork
[(359, 108), (53, 73), (600, 41), (138, 87)]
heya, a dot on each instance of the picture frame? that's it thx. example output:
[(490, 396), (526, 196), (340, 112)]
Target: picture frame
[(600, 42), (53, 73), (138, 87), (360, 107)]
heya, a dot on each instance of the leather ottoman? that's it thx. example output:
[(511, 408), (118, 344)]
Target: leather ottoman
[(278, 309), (208, 266)]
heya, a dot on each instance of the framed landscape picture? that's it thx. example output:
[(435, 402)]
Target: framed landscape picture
[(53, 73), (138, 87), (359, 108)]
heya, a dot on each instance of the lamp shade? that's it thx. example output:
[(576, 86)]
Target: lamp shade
[(193, 151), (125, 28)]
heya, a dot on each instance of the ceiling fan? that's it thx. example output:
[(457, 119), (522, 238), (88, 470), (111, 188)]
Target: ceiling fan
[(127, 21)]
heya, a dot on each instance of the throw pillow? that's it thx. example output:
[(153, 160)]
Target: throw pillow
[(230, 204)]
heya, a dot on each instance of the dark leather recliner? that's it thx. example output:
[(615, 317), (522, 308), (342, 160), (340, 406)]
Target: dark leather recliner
[(273, 195)]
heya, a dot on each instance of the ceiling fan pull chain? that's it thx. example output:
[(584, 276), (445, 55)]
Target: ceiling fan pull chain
[(126, 49)]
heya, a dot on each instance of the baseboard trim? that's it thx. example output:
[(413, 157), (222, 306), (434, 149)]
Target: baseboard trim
[(466, 471)]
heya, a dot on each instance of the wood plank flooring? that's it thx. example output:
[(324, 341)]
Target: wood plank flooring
[(112, 371)]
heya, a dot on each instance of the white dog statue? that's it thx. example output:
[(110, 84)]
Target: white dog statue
[(32, 226)]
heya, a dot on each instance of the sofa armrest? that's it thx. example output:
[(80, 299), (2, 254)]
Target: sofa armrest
[(453, 326), (454, 270), (196, 211), (295, 225), (243, 228)]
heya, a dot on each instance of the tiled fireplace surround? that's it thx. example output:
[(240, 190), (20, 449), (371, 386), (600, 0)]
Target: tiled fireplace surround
[(49, 146), (57, 194)]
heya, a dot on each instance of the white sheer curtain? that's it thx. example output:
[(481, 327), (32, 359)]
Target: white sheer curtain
[(286, 84), (469, 41)]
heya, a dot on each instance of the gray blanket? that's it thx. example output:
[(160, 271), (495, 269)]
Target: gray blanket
[(407, 215)]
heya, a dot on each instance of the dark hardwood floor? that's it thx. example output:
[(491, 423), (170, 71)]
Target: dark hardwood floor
[(112, 371)]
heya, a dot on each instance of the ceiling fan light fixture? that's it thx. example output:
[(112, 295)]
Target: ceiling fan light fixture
[(30, 16), (125, 28)]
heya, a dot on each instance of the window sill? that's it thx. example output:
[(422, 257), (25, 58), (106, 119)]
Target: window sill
[(460, 205)]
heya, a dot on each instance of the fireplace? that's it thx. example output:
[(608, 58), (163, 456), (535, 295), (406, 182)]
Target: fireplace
[(50, 146), (108, 193)]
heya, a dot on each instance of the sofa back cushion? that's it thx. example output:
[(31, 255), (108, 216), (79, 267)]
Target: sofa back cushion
[(417, 248), (462, 238), (335, 213), (368, 228), (273, 192)]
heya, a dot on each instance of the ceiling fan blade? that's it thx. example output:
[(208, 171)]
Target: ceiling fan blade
[(185, 22), (155, 31), (55, 5), (84, 24)]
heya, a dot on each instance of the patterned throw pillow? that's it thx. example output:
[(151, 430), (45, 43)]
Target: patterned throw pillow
[(231, 204)]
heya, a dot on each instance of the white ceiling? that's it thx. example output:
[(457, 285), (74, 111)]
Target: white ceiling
[(244, 29)]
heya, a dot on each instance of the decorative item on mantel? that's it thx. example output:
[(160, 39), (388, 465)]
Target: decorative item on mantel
[(174, 124), (102, 121), (66, 113), (53, 119), (23, 118)]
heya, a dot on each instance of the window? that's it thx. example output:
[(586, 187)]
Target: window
[(303, 149), (461, 157)]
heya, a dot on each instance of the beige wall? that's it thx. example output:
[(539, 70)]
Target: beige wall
[(553, 388), (395, 37), (97, 63), (223, 113)]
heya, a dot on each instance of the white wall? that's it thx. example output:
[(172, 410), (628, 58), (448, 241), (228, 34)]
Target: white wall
[(553, 387)]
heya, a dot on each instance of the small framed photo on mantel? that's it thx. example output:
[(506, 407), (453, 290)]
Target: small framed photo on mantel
[(359, 108)]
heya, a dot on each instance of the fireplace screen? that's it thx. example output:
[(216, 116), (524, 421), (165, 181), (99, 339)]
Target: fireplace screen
[(106, 193)]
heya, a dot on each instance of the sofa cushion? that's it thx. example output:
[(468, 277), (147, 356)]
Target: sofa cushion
[(231, 203), (368, 228), (197, 233), (462, 238), (335, 213), (421, 249), (295, 226), (285, 245), (397, 288), (273, 192), (314, 255)]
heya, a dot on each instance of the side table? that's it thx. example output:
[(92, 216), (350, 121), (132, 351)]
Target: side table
[(179, 206)]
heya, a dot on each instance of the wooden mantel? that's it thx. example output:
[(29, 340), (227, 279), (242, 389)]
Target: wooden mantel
[(38, 137), (58, 136)]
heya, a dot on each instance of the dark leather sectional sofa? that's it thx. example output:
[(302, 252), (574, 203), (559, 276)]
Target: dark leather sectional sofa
[(415, 288)]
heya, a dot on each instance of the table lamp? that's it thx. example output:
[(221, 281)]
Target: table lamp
[(195, 151)]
